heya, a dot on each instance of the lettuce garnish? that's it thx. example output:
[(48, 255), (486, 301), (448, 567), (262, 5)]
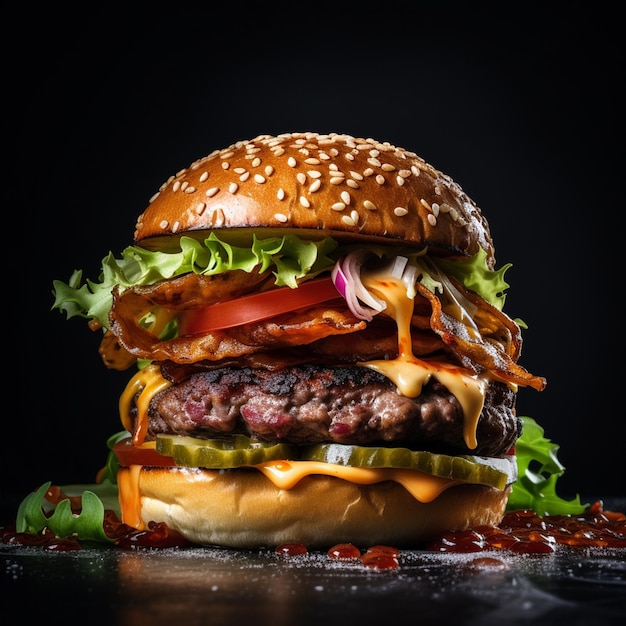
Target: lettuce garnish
[(88, 525), (477, 277), (539, 469), (290, 259)]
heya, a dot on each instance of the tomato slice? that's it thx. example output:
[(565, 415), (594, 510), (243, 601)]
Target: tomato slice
[(257, 306), (127, 454)]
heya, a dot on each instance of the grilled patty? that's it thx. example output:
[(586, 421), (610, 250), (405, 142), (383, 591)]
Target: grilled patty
[(307, 404)]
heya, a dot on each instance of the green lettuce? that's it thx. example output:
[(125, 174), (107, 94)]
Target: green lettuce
[(538, 472), (477, 277), (35, 513), (289, 258)]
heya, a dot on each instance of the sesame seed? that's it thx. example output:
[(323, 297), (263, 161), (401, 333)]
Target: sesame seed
[(435, 209), (338, 206), (301, 178), (225, 166), (269, 170), (345, 197), (209, 193), (226, 155), (280, 194), (219, 217), (176, 186), (368, 172), (244, 177), (399, 181), (204, 176), (312, 161), (304, 202), (163, 224), (432, 220), (336, 180), (425, 204), (256, 162), (349, 156), (374, 162), (233, 187), (200, 208), (258, 178), (315, 185), (400, 211), (239, 170), (404, 173), (176, 226), (314, 174), (154, 197), (280, 217), (369, 205), (351, 220), (387, 167), (291, 162), (380, 179)]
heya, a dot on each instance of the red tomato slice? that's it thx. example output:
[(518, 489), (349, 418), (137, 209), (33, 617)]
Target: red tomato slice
[(127, 454), (256, 307)]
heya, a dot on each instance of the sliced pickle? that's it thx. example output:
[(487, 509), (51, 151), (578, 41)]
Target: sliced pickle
[(225, 453), (496, 473)]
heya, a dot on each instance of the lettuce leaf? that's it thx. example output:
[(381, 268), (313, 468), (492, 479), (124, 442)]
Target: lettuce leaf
[(538, 472), (290, 258), (477, 277), (88, 525)]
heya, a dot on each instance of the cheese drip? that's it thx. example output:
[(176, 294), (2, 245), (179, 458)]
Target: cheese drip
[(147, 383), (410, 373), (423, 487)]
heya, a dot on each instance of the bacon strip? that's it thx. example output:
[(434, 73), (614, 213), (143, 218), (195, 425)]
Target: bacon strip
[(290, 329), (495, 349)]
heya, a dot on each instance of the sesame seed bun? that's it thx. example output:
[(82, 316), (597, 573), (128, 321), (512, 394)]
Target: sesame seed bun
[(332, 184), (243, 509)]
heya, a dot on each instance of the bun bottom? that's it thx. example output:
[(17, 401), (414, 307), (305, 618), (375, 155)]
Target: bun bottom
[(243, 509)]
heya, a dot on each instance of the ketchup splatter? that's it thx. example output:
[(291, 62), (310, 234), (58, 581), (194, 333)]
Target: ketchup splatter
[(525, 532)]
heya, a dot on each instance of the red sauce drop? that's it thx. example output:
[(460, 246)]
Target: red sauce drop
[(381, 557), (291, 549), (344, 551)]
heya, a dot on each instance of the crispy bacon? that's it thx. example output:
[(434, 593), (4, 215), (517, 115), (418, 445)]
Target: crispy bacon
[(290, 329), (495, 348)]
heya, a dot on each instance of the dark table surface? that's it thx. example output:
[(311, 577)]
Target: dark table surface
[(217, 586)]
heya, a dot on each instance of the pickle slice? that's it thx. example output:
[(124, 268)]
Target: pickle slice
[(225, 453), (493, 472)]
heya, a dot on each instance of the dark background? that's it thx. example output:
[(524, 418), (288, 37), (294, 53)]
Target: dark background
[(522, 111)]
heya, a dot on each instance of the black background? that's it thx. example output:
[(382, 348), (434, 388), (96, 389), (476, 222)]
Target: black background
[(522, 110)]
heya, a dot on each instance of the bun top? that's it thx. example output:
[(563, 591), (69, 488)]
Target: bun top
[(325, 185)]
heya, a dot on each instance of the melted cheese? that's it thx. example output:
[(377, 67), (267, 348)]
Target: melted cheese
[(147, 383), (423, 487), (410, 373)]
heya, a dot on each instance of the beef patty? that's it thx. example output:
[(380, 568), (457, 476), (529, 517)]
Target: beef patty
[(307, 404)]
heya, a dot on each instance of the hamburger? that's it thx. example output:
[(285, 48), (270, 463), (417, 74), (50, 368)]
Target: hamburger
[(318, 349)]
